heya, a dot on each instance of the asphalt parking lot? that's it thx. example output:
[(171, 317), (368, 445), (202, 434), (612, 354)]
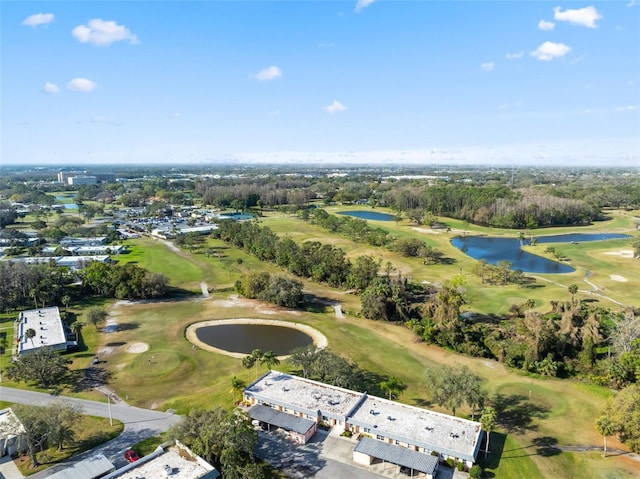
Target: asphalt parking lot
[(327, 456)]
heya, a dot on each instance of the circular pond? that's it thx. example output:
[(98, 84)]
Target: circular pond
[(238, 337)]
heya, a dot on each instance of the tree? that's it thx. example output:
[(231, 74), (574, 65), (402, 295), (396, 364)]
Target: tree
[(30, 334), (573, 289), (269, 359), (76, 327), (96, 315), (624, 411), (606, 427), (248, 362), (452, 387), (66, 300), (237, 384), (488, 422), (393, 386), (41, 427), (42, 364), (223, 438)]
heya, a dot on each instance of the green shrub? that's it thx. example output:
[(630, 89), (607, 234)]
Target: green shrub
[(450, 462), (475, 471), (460, 466)]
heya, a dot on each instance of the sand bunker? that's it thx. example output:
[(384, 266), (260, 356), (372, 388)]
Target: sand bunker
[(625, 253), (319, 339), (138, 348), (620, 279)]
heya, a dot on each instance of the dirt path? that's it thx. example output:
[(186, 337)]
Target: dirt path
[(205, 289)]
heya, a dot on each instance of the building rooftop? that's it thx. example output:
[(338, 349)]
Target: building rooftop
[(47, 325), (303, 393), (93, 467), (280, 419), (10, 425), (175, 463), (432, 430), (401, 456)]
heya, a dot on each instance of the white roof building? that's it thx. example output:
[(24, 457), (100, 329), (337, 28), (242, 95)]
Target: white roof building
[(47, 326), (175, 462), (394, 424), (11, 429)]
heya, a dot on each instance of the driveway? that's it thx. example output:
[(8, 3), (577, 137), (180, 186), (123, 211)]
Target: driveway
[(139, 424), (326, 456)]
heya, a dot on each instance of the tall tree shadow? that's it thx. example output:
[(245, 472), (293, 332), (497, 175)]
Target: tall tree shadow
[(496, 449), (517, 412)]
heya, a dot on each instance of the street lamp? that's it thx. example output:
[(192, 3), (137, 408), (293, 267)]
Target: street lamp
[(109, 406)]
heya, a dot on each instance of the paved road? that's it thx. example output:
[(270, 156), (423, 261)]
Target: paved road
[(139, 423)]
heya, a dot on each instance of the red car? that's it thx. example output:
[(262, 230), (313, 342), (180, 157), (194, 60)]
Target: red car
[(131, 455)]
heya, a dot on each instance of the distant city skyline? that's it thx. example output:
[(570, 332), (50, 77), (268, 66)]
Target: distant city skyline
[(335, 82)]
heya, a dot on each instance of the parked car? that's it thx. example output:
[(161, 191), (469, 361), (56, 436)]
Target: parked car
[(131, 455)]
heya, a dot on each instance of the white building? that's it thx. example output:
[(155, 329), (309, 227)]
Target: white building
[(11, 431), (175, 462), (47, 327), (411, 437)]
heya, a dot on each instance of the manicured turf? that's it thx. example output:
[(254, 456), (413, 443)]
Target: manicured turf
[(173, 374)]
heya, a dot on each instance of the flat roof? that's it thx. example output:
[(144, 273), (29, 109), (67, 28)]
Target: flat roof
[(397, 455), (181, 466), (280, 419), (91, 468), (47, 325), (286, 390), (429, 429)]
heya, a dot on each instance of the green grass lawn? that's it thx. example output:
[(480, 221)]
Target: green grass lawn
[(173, 374)]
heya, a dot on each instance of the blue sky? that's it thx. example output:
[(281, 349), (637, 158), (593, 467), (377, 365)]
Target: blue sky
[(320, 81)]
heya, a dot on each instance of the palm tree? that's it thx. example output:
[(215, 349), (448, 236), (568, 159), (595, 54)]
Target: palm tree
[(488, 423), (30, 334), (76, 327), (573, 289), (248, 362), (269, 359), (606, 427), (257, 354), (66, 300), (236, 385), (393, 386)]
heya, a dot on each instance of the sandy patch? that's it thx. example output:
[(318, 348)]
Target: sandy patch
[(104, 351), (625, 253), (137, 348), (426, 230), (319, 339), (618, 278)]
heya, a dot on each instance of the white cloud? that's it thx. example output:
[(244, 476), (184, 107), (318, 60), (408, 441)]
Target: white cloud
[(103, 32), (268, 74), (628, 108), (515, 56), (50, 88), (81, 84), (544, 25), (38, 19), (488, 67), (586, 17), (632, 3), (335, 107), (549, 50), (362, 4)]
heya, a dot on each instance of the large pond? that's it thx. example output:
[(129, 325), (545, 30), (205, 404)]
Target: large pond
[(368, 215), (496, 249), (239, 337)]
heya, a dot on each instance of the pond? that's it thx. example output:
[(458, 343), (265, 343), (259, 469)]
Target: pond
[(368, 215), (240, 337), (495, 249)]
